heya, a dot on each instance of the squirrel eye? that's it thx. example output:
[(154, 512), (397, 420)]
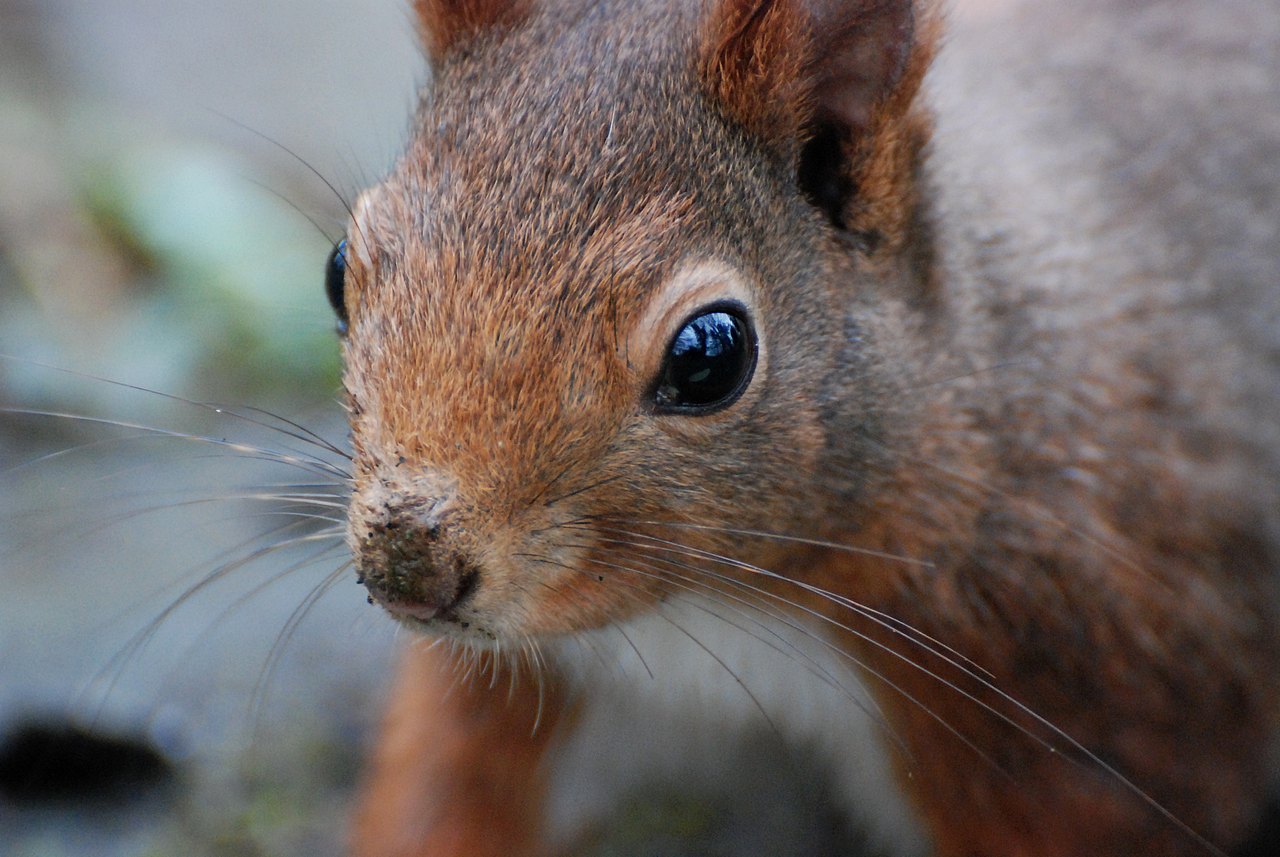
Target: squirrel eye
[(335, 275), (708, 363)]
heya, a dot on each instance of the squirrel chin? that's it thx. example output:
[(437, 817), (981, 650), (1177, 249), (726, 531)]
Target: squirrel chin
[(457, 631)]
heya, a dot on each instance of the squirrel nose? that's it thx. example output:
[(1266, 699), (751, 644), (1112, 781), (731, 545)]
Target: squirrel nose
[(407, 562)]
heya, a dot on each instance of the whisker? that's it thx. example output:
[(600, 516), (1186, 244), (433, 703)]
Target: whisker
[(895, 626), (783, 647), (336, 522), (303, 433), (584, 489), (903, 626), (299, 432), (728, 669), (631, 644), (702, 588), (843, 654), (292, 154), (138, 642), (280, 197), (245, 450), (665, 546), (617, 627), (552, 481), (987, 685), (105, 522), (840, 600), (286, 634), (800, 540), (72, 450)]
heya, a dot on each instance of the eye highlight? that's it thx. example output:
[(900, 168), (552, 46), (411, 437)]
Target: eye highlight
[(335, 277), (709, 362)]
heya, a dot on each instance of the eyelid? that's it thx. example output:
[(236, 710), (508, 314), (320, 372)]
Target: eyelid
[(692, 285)]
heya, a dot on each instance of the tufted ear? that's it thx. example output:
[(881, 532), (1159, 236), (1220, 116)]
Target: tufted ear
[(829, 85), (447, 25)]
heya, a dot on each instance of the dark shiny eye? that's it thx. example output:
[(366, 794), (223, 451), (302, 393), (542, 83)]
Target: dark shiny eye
[(709, 362), (335, 276)]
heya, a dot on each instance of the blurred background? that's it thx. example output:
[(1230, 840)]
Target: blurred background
[(165, 214)]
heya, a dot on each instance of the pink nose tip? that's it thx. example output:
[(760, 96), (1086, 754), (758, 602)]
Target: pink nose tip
[(424, 612)]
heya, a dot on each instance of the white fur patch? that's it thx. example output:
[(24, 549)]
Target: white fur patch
[(660, 707)]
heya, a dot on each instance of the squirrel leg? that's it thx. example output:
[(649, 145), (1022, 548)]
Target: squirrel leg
[(457, 769)]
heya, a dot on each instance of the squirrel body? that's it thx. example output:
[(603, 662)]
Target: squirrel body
[(1004, 443)]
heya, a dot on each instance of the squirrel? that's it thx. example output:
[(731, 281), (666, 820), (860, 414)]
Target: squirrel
[(928, 357)]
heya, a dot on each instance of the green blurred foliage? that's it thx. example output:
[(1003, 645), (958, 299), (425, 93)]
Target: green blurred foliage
[(237, 273), (152, 260)]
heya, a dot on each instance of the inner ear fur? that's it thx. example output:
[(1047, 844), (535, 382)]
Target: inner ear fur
[(449, 25), (830, 86)]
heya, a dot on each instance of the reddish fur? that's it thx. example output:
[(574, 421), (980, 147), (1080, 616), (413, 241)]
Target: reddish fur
[(462, 797), (446, 25), (887, 162), (495, 279), (755, 56), (777, 66)]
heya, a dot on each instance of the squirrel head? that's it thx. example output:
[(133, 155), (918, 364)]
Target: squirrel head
[(625, 278)]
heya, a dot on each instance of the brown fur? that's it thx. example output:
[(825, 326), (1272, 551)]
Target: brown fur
[(1023, 356), (755, 63), (779, 67), (460, 798), (446, 25)]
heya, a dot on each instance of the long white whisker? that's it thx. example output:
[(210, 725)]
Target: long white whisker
[(905, 628), (616, 627), (303, 433), (702, 588), (245, 450), (784, 647), (986, 684), (723, 665), (77, 448), (298, 432), (258, 696), (138, 641), (665, 546), (800, 540), (893, 625)]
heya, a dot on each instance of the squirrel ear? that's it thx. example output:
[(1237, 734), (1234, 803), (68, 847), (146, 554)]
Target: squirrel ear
[(826, 83), (448, 24)]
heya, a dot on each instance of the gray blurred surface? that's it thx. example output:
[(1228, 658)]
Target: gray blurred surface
[(120, 120), (332, 80)]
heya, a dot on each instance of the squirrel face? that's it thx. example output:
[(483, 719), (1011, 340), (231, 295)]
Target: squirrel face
[(666, 301), (515, 291)]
